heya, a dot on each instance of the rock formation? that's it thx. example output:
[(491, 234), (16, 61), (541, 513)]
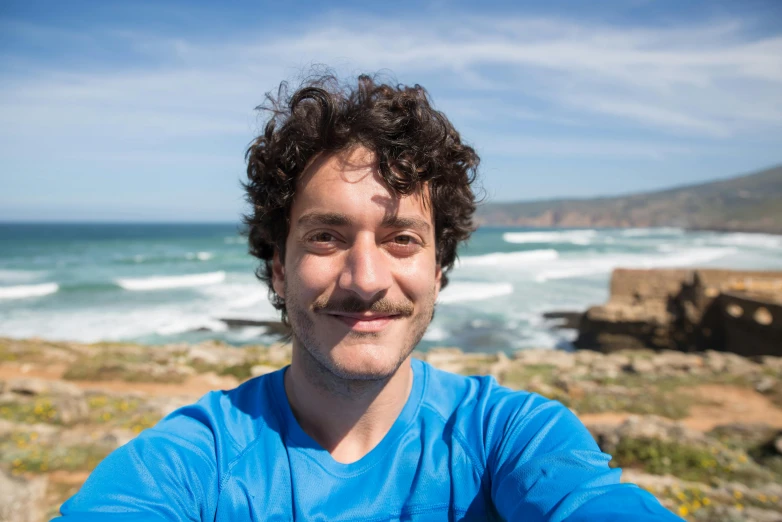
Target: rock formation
[(688, 310)]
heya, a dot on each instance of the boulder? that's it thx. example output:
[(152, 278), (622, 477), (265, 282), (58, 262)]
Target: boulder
[(33, 387), (22, 499)]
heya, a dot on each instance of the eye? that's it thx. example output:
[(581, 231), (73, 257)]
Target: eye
[(322, 237), (404, 244)]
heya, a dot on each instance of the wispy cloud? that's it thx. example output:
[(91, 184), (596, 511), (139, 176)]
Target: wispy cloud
[(698, 84), (686, 79)]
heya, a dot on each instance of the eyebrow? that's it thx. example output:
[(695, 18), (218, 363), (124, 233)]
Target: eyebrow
[(406, 222), (329, 219), (337, 219)]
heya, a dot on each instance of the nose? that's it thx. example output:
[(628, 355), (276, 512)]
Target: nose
[(367, 272)]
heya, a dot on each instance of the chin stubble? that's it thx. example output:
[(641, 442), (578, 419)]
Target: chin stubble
[(319, 367)]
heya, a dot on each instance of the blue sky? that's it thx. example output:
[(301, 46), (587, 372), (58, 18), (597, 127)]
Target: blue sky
[(139, 111)]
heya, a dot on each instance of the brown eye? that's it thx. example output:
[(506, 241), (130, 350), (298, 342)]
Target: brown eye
[(322, 237), (403, 240)]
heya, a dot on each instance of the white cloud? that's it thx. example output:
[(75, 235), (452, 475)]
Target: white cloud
[(701, 83)]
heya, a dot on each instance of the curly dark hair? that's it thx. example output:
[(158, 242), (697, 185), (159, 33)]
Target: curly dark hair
[(414, 145)]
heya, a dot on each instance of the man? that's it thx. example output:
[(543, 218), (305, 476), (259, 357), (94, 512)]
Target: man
[(359, 197)]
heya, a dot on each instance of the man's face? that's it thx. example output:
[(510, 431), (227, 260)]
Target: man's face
[(360, 275)]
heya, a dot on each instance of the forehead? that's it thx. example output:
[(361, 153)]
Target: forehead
[(350, 182)]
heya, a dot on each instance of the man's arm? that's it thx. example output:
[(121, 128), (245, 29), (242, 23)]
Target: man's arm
[(167, 473), (546, 466)]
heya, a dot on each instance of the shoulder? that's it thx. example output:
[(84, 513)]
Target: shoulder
[(487, 416), (232, 419), (475, 396)]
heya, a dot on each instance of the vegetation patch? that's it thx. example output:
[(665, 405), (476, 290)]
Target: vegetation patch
[(651, 403), (241, 371), (42, 409), (22, 452), (708, 465), (99, 370), (701, 503), (523, 376), (122, 412)]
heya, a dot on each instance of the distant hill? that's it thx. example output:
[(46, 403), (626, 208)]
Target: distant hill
[(749, 203)]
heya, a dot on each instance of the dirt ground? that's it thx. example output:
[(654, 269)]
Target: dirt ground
[(719, 404)]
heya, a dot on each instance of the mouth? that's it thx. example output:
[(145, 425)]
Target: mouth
[(366, 322)]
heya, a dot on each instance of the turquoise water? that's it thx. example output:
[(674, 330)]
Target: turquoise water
[(167, 283)]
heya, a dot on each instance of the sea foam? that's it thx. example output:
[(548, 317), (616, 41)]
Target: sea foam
[(509, 258), (766, 241), (605, 264), (660, 231), (458, 292), (201, 256), (23, 291), (165, 282), (576, 237)]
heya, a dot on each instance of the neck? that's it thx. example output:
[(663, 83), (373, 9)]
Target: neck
[(346, 417)]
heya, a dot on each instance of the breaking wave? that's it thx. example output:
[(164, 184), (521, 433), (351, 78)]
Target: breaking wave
[(165, 282), (24, 291)]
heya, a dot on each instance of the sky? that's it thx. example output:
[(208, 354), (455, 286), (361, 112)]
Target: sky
[(142, 111)]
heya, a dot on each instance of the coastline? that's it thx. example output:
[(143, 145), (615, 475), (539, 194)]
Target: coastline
[(702, 431)]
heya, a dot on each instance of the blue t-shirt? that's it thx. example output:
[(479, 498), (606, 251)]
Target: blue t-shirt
[(463, 448)]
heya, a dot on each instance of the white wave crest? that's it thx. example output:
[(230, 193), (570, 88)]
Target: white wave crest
[(459, 292), (201, 256), (23, 291), (605, 264), (435, 334), (165, 282), (659, 231), (749, 240), (576, 237), (509, 258)]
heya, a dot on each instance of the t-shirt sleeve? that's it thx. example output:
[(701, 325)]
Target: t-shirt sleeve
[(167, 473), (545, 466)]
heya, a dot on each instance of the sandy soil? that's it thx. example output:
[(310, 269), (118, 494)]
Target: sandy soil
[(194, 386), (717, 404), (721, 404)]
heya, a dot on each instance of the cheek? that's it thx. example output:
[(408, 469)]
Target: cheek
[(315, 274), (419, 278)]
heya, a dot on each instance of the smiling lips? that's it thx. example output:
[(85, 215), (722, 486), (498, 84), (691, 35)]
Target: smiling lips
[(364, 322)]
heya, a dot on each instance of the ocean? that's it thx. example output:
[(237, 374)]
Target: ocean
[(163, 283)]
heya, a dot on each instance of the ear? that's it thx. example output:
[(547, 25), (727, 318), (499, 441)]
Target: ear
[(278, 275), (438, 278)]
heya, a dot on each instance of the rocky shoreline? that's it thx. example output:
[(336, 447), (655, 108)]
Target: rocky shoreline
[(702, 431)]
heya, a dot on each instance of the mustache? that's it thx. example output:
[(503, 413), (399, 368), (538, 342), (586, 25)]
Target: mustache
[(355, 305)]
